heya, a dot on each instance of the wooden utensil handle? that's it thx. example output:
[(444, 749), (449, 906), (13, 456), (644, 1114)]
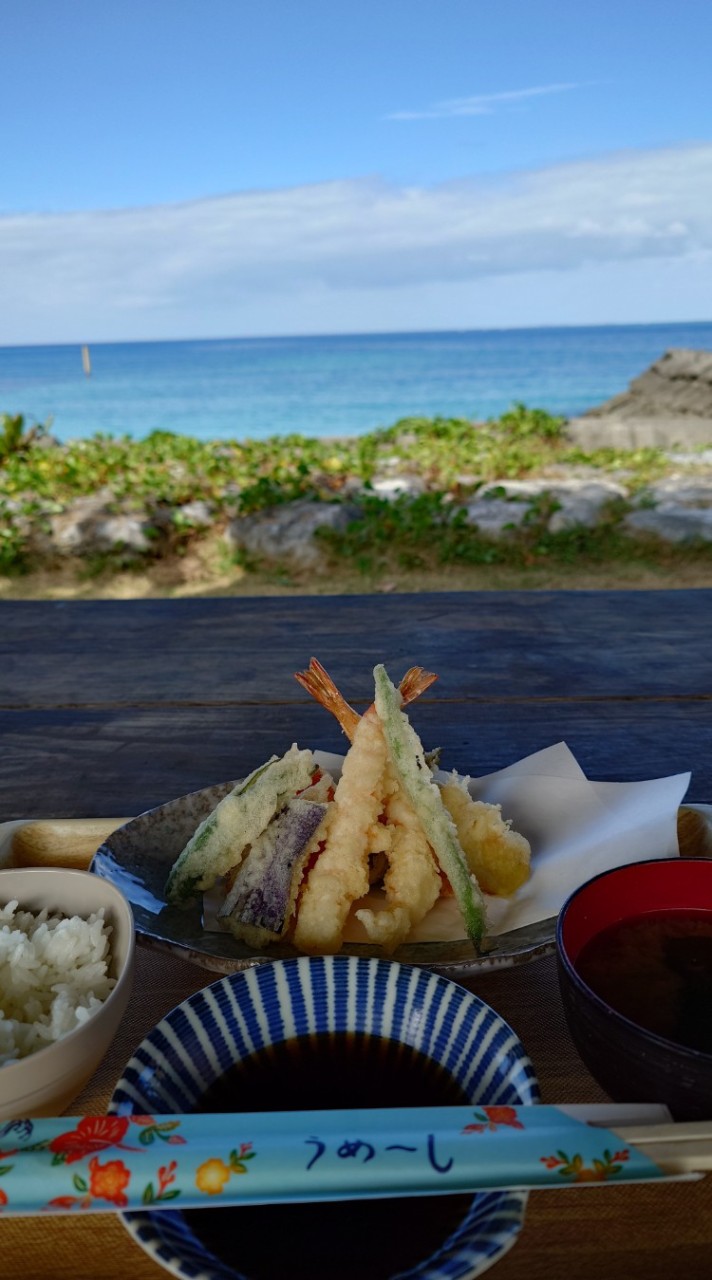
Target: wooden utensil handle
[(694, 831), (678, 1148), (61, 842)]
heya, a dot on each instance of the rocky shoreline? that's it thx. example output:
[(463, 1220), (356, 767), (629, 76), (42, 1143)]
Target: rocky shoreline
[(670, 403)]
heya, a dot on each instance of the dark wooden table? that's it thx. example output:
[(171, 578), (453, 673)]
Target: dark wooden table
[(108, 708)]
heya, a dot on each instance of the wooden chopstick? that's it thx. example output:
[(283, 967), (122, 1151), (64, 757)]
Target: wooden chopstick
[(677, 1148)]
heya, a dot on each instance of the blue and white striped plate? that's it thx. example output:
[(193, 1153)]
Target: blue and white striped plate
[(241, 1013)]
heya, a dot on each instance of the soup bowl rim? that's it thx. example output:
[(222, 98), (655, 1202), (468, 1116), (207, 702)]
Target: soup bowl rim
[(598, 1003)]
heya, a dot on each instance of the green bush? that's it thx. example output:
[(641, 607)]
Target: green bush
[(16, 437)]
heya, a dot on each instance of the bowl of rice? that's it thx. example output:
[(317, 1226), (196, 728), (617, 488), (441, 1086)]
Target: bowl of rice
[(67, 945)]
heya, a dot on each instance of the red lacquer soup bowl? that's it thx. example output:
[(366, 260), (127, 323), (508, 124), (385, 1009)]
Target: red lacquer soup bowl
[(634, 951)]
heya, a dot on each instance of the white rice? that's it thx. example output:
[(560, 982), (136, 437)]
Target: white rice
[(53, 976)]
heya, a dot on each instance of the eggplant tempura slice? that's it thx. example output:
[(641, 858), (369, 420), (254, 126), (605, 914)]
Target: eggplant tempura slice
[(260, 903)]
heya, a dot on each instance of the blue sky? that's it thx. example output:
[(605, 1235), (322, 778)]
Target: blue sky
[(175, 168)]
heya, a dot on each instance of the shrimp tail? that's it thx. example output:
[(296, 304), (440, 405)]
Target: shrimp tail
[(415, 681), (317, 681), (320, 685)]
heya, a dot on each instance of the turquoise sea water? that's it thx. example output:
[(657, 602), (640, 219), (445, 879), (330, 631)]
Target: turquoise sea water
[(258, 387)]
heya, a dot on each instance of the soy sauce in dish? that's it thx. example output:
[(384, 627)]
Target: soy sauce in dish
[(656, 970), (363, 1239)]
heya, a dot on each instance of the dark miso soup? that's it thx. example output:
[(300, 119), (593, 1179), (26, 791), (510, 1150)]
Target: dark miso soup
[(656, 970), (364, 1239)]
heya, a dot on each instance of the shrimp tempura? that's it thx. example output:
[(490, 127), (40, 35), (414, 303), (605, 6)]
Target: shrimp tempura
[(340, 874), (412, 881)]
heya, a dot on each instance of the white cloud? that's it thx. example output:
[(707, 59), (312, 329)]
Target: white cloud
[(482, 104), (208, 266)]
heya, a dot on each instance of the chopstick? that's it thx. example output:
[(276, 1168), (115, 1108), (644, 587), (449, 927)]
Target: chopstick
[(677, 1148)]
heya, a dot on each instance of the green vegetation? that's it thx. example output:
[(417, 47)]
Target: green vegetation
[(428, 532), (452, 458), (16, 436)]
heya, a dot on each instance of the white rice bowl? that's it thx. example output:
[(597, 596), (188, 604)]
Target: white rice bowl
[(54, 975)]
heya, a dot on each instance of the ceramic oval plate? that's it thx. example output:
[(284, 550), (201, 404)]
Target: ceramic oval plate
[(139, 855)]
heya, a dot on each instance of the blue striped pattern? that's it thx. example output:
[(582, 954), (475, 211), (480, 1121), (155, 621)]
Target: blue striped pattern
[(241, 1013)]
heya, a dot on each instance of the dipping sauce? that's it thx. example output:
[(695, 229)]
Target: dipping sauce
[(656, 969), (364, 1239)]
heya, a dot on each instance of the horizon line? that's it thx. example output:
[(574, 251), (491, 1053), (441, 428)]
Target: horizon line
[(360, 333)]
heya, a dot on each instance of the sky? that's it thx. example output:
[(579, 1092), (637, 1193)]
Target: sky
[(209, 168)]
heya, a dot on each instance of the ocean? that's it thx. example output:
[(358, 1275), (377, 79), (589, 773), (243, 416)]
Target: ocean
[(327, 386)]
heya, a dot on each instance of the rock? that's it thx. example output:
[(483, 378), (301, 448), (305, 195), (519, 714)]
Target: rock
[(672, 522), (703, 458), (198, 514), (675, 510), (90, 527), (514, 489), (119, 533), (669, 404), (496, 517), (72, 529), (681, 491), (582, 507), (46, 441), (560, 489), (574, 471), (397, 487), (639, 433), (285, 533), (575, 513), (350, 487), (580, 501)]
